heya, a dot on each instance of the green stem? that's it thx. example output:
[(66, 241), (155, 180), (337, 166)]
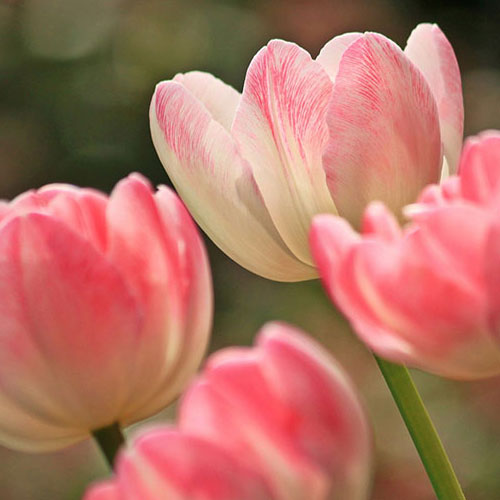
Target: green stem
[(422, 431), (109, 439)]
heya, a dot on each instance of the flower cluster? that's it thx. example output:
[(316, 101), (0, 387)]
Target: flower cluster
[(106, 301)]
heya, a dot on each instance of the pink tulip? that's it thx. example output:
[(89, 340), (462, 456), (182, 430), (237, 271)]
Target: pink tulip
[(288, 407), (428, 294), (279, 421), (363, 121), (164, 463), (105, 309)]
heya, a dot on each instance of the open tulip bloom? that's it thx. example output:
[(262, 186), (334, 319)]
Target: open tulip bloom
[(279, 421), (364, 121), (105, 310), (429, 294)]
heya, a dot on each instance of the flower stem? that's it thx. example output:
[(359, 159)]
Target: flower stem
[(422, 431), (109, 439)]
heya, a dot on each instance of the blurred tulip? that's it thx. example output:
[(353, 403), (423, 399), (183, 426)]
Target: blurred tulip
[(105, 309), (287, 406), (278, 421), (164, 463), (363, 121), (428, 294)]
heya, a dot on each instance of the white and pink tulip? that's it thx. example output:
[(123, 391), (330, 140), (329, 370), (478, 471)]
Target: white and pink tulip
[(363, 121)]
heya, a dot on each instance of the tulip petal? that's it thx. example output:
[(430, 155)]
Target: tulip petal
[(164, 463), (53, 334), (24, 430), (332, 417), (429, 49), (384, 129), (217, 185), (156, 246), (492, 275), (104, 491), (220, 99), (480, 168), (281, 128), (312, 440), (380, 222), (226, 407), (331, 54), (438, 322), (81, 209), (331, 238), (195, 290)]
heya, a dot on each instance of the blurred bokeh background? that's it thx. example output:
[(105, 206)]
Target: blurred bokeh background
[(76, 77)]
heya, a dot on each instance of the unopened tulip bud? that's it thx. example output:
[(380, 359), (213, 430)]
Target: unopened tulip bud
[(105, 310)]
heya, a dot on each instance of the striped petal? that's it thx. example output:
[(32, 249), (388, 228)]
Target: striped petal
[(206, 167), (384, 129), (331, 54), (281, 128), (429, 49), (220, 99)]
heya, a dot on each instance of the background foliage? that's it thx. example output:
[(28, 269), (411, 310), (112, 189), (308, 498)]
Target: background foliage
[(76, 77)]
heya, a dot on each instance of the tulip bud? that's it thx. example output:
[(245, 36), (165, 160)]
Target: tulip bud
[(278, 421), (166, 463), (288, 407), (105, 307), (364, 121), (425, 295)]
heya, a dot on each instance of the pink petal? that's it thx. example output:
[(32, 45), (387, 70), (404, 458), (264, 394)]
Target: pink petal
[(164, 463), (492, 275), (480, 168), (205, 165), (331, 54), (384, 129), (103, 491), (195, 290), (226, 407), (315, 386), (435, 196), (429, 49), (281, 128), (81, 209), (58, 359), (438, 323), (156, 246), (331, 238), (380, 222), (311, 440)]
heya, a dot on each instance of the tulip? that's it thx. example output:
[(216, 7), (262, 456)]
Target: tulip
[(105, 310), (426, 295), (288, 407), (164, 463), (278, 421), (364, 121)]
